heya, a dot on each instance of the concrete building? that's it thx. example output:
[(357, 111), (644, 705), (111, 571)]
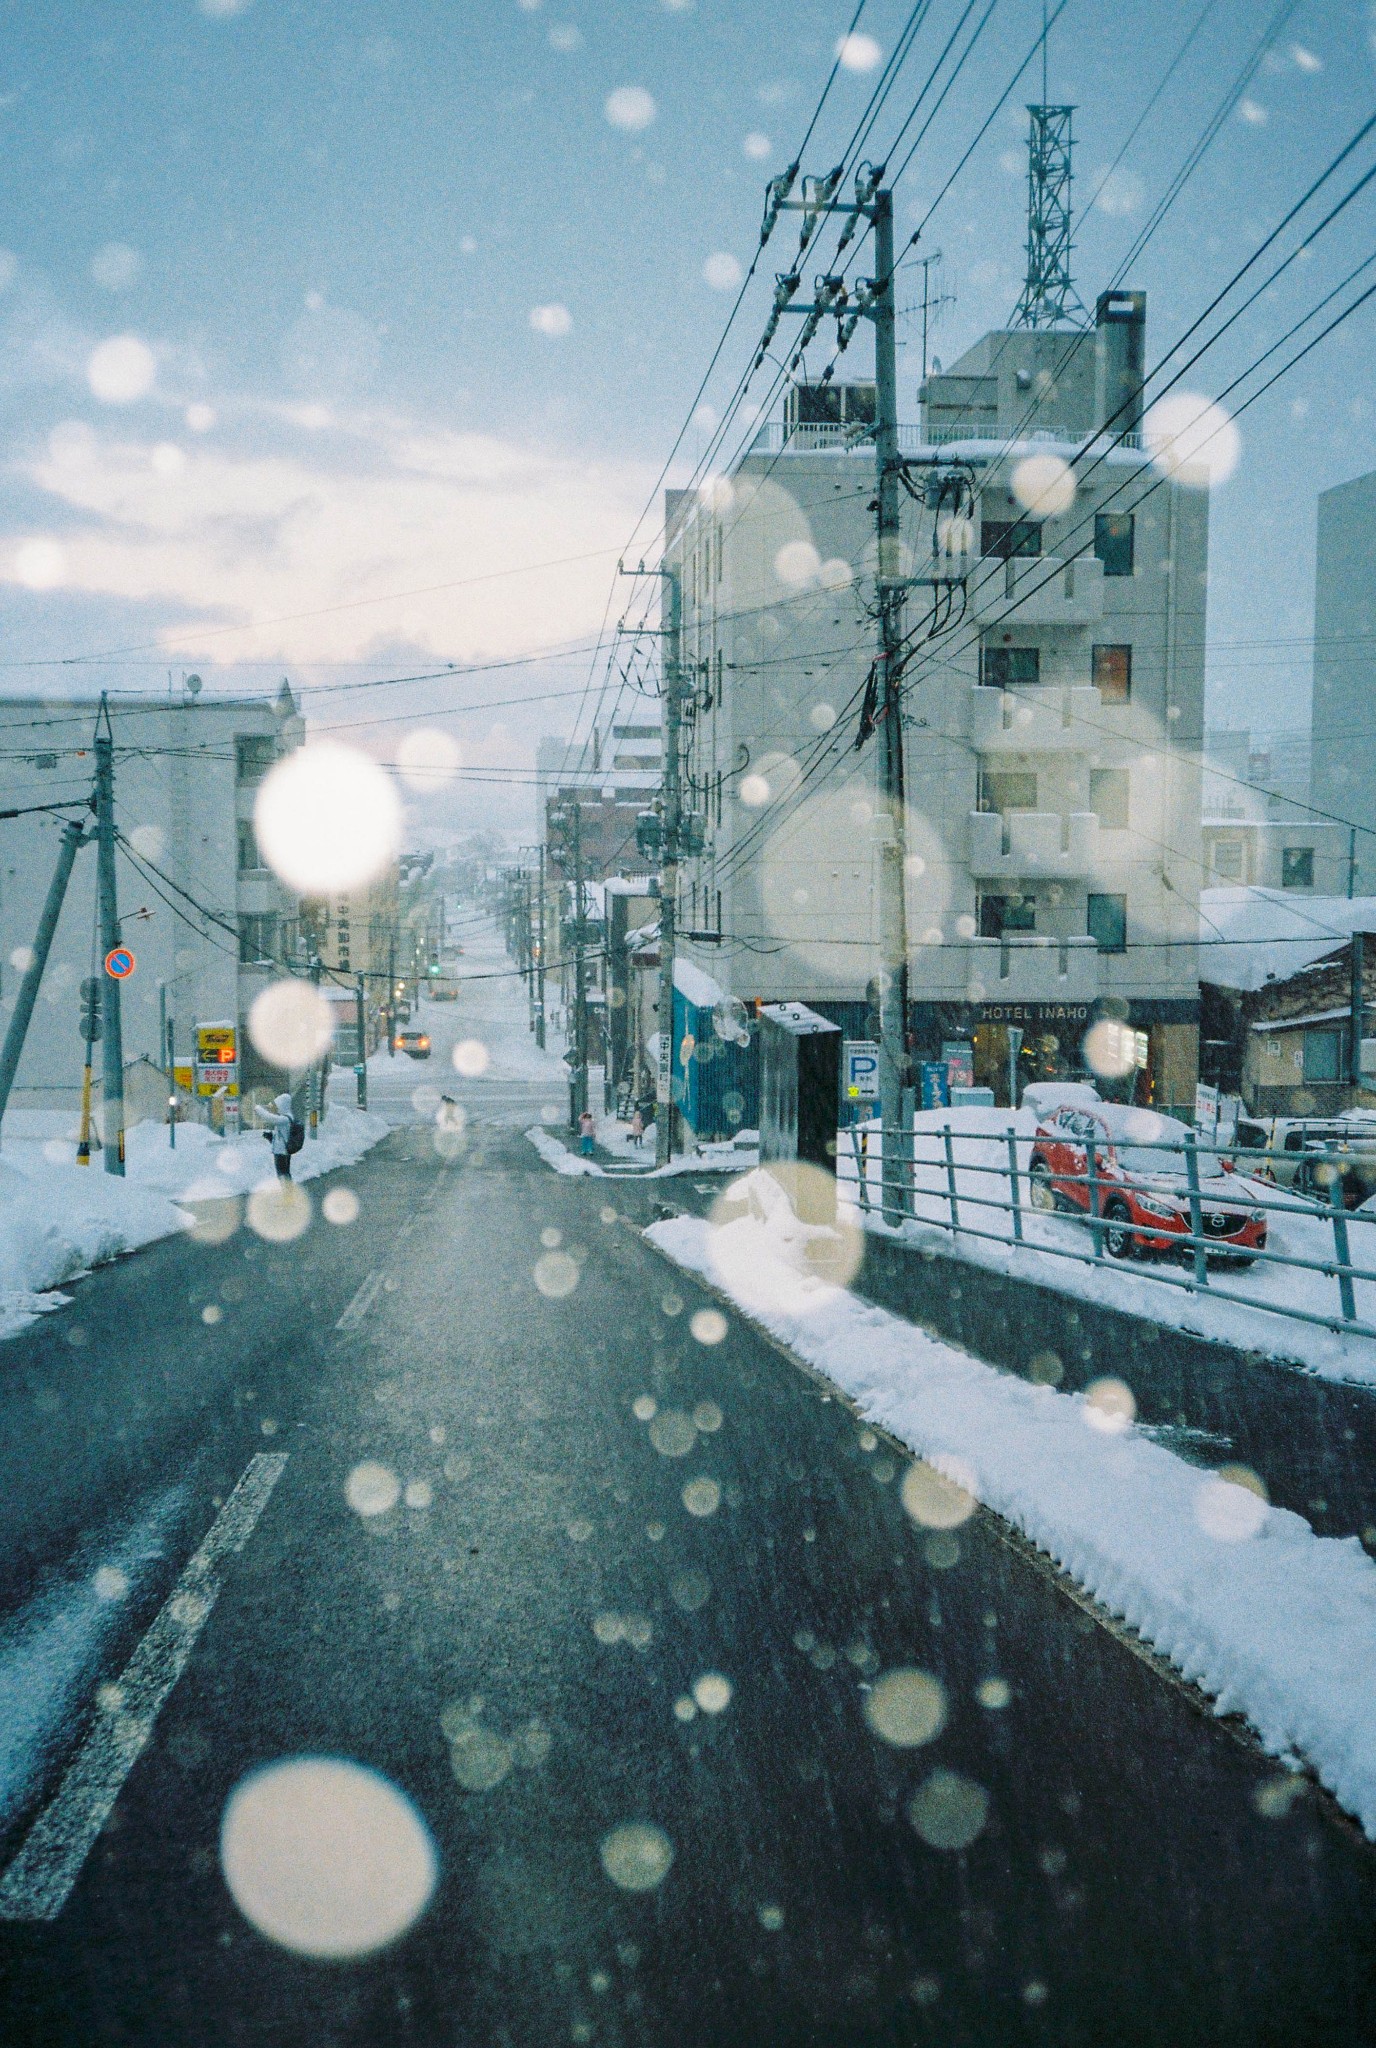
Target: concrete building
[(1344, 770), (1258, 828), (1053, 717), (207, 921)]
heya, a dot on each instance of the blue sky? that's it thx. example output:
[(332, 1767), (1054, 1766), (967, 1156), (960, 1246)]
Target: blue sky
[(319, 236)]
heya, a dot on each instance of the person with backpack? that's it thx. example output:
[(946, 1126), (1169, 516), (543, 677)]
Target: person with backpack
[(284, 1133)]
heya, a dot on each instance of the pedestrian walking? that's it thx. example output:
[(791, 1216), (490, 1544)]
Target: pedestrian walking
[(587, 1132), (281, 1128), (637, 1127)]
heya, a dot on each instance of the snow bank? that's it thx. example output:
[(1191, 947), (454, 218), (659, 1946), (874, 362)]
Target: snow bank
[(58, 1219), (1229, 1309), (1270, 1620), (614, 1137)]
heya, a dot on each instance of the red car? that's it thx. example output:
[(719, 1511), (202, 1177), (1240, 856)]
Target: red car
[(1143, 1193)]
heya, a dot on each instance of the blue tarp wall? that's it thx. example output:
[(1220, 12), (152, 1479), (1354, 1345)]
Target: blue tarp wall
[(719, 1092)]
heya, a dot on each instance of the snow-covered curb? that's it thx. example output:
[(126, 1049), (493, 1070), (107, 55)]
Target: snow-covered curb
[(1271, 1621), (58, 1219), (711, 1159)]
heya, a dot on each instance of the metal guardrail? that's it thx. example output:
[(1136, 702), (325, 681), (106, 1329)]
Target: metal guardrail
[(1325, 1163)]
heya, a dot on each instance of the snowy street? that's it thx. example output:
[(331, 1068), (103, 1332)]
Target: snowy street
[(536, 1518)]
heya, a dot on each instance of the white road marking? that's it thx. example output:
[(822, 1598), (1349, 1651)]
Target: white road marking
[(39, 1882), (361, 1303)]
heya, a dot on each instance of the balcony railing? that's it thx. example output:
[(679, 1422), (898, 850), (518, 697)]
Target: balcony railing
[(1024, 843)]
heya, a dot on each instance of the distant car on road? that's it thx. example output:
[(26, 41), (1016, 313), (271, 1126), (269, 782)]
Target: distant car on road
[(416, 1043), (442, 988), (1141, 1193), (1294, 1151)]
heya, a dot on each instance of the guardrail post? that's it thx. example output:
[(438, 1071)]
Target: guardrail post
[(1096, 1221), (859, 1145), (1013, 1184), (907, 1115), (1346, 1293), (1201, 1257), (951, 1178)]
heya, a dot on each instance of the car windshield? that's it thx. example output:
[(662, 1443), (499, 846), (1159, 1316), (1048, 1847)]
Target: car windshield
[(688, 1024)]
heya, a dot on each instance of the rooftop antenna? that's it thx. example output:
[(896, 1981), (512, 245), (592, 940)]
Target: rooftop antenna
[(1049, 297)]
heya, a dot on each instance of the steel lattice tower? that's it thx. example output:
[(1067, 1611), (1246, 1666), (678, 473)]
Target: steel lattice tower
[(1049, 297)]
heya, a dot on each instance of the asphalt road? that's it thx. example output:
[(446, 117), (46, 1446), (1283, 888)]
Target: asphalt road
[(515, 1644)]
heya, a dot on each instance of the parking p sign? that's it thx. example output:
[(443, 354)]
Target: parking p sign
[(861, 1070)]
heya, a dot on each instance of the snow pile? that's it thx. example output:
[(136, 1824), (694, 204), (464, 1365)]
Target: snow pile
[(1227, 1309), (614, 1137), (58, 1219), (1270, 1620)]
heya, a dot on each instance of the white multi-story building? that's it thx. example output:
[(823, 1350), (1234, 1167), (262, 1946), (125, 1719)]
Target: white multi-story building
[(1052, 710), (208, 921)]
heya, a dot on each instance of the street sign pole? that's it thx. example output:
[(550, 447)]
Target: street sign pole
[(112, 1088)]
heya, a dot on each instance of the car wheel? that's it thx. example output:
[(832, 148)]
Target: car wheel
[(1120, 1239), (1043, 1193)]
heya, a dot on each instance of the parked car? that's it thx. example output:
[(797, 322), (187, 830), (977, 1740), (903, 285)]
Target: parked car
[(1294, 1150), (416, 1043), (1142, 1193)]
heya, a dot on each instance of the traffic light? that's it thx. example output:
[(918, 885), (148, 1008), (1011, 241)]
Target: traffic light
[(90, 1025)]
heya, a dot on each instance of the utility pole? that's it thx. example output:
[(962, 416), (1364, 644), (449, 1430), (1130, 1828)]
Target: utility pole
[(668, 872), (361, 1029), (671, 836), (167, 1053), (872, 299), (392, 995), (540, 959), (892, 812), (112, 1071), (72, 833), (580, 977), (316, 1066)]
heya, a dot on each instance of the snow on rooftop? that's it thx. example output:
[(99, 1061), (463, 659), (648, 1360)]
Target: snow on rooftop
[(696, 985), (1249, 936)]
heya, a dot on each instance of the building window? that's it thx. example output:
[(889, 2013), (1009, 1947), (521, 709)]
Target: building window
[(1227, 860), (1108, 923), (1111, 670), (1009, 668), (1006, 789), (1000, 915), (1113, 542), (1323, 1055), (250, 860), (257, 938), (1108, 797), (1006, 538), (254, 754), (1297, 867)]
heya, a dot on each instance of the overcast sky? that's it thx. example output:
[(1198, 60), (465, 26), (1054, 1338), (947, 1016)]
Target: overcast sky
[(328, 316)]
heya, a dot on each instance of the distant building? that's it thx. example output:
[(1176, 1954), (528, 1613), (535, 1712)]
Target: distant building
[(1053, 715), (1344, 771), (1257, 828), (207, 920)]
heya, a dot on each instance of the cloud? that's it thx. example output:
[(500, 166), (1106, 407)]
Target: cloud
[(324, 515)]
